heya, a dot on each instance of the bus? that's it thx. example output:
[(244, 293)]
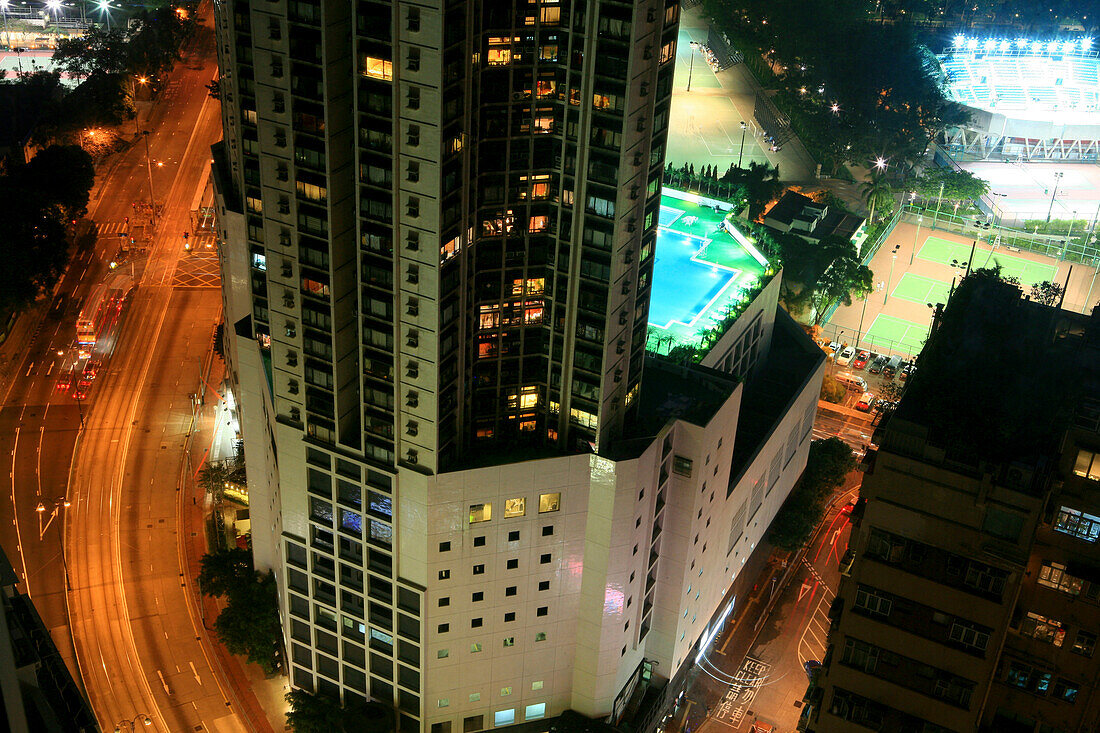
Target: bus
[(100, 311)]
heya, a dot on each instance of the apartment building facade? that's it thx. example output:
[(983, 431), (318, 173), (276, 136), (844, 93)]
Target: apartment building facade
[(971, 598), (437, 225)]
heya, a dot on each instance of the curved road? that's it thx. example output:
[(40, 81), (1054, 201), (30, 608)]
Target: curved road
[(135, 637)]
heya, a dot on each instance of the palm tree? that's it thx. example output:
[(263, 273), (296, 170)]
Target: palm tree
[(877, 192)]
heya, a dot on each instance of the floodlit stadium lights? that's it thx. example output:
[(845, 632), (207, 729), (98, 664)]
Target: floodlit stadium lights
[(1085, 43), (1052, 46), (989, 44), (1003, 46), (1068, 46), (960, 40), (1036, 46), (972, 44)]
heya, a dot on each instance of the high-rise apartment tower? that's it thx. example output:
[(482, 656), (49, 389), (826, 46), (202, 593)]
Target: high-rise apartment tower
[(438, 224)]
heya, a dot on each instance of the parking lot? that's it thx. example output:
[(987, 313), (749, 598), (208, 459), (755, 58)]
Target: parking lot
[(875, 380)]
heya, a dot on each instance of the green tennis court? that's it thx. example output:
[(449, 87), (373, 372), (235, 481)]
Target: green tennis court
[(944, 251), (897, 334), (920, 289)]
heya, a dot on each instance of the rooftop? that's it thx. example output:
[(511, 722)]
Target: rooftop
[(1000, 375), (801, 215), (705, 267)]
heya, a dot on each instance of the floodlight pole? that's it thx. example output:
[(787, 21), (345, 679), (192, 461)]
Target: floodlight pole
[(742, 152), (1057, 180), (886, 292), (939, 200), (691, 63), (913, 252), (149, 170)]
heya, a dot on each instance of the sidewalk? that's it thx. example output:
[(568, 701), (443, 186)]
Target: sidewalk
[(258, 698)]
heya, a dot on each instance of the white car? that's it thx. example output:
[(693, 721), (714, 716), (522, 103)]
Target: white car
[(844, 358)]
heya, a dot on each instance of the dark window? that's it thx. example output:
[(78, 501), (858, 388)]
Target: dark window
[(513, 564), (478, 596), (542, 611), (544, 559), (510, 616), (548, 530), (444, 601), (513, 536), (544, 585), (510, 590), (443, 628), (444, 546), (479, 541), (479, 569), (475, 623)]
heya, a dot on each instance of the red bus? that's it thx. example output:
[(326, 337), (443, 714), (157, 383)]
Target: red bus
[(100, 311)]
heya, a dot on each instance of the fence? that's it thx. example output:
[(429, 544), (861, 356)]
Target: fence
[(867, 253)]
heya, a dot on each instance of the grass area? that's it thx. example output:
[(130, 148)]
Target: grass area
[(920, 289), (945, 251), (702, 273), (897, 334)]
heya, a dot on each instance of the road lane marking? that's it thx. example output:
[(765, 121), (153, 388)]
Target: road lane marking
[(195, 672), (49, 371), (29, 370), (15, 513)]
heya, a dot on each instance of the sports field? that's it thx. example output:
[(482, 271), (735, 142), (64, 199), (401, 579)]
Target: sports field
[(947, 252), (700, 269)]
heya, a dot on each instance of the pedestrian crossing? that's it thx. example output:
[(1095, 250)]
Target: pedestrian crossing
[(111, 227)]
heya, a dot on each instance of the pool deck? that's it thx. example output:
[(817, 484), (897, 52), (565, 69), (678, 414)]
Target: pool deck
[(703, 266)]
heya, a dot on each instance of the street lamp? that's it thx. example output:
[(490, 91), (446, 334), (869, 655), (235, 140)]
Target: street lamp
[(880, 163), (104, 7), (149, 170), (55, 506), (1057, 179), (893, 260), (691, 61), (132, 723), (742, 152), (54, 6)]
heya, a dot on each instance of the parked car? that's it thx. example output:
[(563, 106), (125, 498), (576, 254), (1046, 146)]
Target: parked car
[(833, 349), (890, 369), (866, 402), (845, 357), (908, 369), (65, 382), (851, 381), (861, 360), (878, 364)]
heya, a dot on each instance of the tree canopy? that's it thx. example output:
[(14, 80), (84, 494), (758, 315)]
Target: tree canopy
[(37, 200), (249, 623), (830, 460), (846, 277), (958, 185), (318, 713)]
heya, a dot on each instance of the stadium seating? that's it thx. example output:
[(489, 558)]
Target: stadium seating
[(1014, 81)]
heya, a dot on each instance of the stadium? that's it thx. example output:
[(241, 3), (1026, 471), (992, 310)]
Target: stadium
[(1029, 100)]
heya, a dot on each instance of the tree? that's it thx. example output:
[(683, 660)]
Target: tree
[(958, 185), (64, 175), (97, 50), (224, 570), (760, 182), (844, 279), (878, 193), (1047, 292), (829, 462), (318, 713), (832, 390), (249, 624)]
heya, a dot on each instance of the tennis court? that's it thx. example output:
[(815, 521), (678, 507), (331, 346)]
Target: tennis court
[(945, 252), (700, 268), (920, 289), (897, 334)]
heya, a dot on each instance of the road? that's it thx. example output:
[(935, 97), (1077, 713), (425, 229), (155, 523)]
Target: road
[(109, 493)]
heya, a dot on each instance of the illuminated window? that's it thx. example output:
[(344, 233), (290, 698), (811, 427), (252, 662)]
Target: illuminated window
[(535, 286), (486, 348), (574, 96), (668, 52), (1044, 629), (312, 287), (378, 68), (555, 407), (254, 204), (543, 125), (548, 53), (527, 426), (540, 190), (532, 312), (583, 418), (454, 145), (607, 101), (545, 88), (500, 52), (538, 223), (450, 249), (480, 513), (311, 191), (475, 647), (515, 507), (504, 717), (549, 502), (536, 685), (1079, 524), (529, 398), (535, 712), (503, 224), (1087, 465), (550, 16), (489, 317)]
